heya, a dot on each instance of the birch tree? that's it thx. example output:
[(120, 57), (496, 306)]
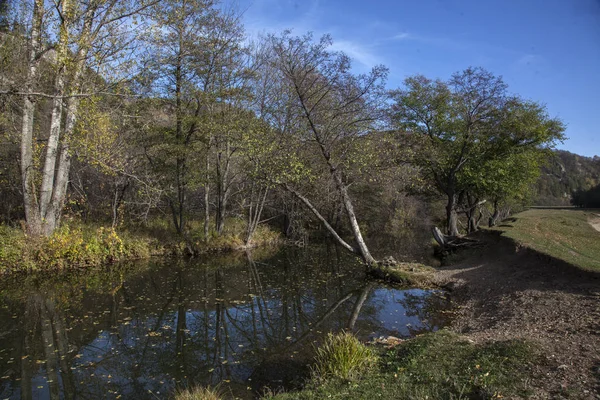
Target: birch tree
[(327, 108), (90, 35)]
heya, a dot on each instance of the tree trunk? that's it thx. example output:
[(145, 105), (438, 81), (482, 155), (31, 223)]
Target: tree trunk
[(43, 214), (494, 218), (57, 202), (362, 246), (55, 129), (451, 215), (362, 250), (223, 186), (316, 212), (207, 198), (32, 212), (472, 214), (52, 149), (255, 213), (118, 199)]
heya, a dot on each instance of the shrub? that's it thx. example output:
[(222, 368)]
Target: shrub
[(12, 246), (343, 356)]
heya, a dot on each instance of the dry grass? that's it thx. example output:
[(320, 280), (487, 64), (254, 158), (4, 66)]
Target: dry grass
[(198, 393)]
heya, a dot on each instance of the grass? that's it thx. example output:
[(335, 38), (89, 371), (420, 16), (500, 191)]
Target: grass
[(198, 393), (439, 365), (344, 357), (563, 234), (409, 274)]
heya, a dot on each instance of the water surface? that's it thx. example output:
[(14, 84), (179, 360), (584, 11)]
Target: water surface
[(141, 331)]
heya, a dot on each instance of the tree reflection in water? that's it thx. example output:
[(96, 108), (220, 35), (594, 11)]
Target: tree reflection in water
[(144, 332)]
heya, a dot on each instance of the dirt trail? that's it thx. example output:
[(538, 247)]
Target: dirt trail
[(595, 222), (506, 293)]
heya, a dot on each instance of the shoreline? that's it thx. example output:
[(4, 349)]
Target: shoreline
[(507, 291)]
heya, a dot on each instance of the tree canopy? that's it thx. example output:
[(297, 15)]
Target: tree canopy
[(472, 136), (128, 110)]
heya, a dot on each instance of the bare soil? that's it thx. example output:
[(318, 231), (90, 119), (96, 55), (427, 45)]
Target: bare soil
[(506, 292), (595, 222)]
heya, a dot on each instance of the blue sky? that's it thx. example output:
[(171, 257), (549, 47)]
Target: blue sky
[(546, 50)]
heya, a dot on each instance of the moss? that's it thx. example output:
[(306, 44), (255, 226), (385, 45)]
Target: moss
[(410, 274)]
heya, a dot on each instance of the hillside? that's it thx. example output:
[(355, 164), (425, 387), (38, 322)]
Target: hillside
[(564, 174)]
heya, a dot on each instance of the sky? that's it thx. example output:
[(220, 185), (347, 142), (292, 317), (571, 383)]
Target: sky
[(546, 50)]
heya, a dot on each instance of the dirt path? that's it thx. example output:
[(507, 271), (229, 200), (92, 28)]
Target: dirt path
[(510, 294), (595, 222)]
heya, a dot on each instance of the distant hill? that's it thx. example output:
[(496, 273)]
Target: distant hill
[(565, 173)]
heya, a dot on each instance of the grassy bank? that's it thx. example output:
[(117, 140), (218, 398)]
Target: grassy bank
[(76, 245), (563, 234), (439, 365)]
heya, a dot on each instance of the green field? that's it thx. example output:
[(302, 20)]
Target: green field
[(563, 234)]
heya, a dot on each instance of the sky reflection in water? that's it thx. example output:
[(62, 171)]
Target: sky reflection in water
[(142, 331)]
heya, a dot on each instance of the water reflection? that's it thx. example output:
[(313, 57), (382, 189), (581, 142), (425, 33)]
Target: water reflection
[(143, 332)]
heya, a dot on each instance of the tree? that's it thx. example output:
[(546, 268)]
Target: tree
[(467, 127), (325, 109), (586, 198), (196, 70), (88, 38), (5, 8)]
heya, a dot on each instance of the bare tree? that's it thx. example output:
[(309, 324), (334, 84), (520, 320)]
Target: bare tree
[(328, 108)]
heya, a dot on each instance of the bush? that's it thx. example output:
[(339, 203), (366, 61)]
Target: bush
[(12, 248), (77, 245), (344, 357)]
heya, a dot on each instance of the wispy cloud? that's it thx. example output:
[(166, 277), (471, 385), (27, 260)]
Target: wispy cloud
[(271, 16), (442, 42), (360, 53), (402, 36)]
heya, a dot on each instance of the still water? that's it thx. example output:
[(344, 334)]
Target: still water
[(140, 331)]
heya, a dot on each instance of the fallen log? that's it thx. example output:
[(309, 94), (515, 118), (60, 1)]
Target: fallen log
[(448, 242)]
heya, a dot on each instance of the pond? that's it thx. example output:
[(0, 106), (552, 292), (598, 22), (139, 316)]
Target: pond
[(143, 330)]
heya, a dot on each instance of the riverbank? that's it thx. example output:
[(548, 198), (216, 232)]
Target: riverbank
[(526, 324), (508, 291), (78, 246)]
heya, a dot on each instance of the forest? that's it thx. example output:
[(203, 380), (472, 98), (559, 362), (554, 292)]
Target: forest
[(143, 115)]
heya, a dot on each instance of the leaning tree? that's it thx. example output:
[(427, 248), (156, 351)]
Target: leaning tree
[(323, 110)]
